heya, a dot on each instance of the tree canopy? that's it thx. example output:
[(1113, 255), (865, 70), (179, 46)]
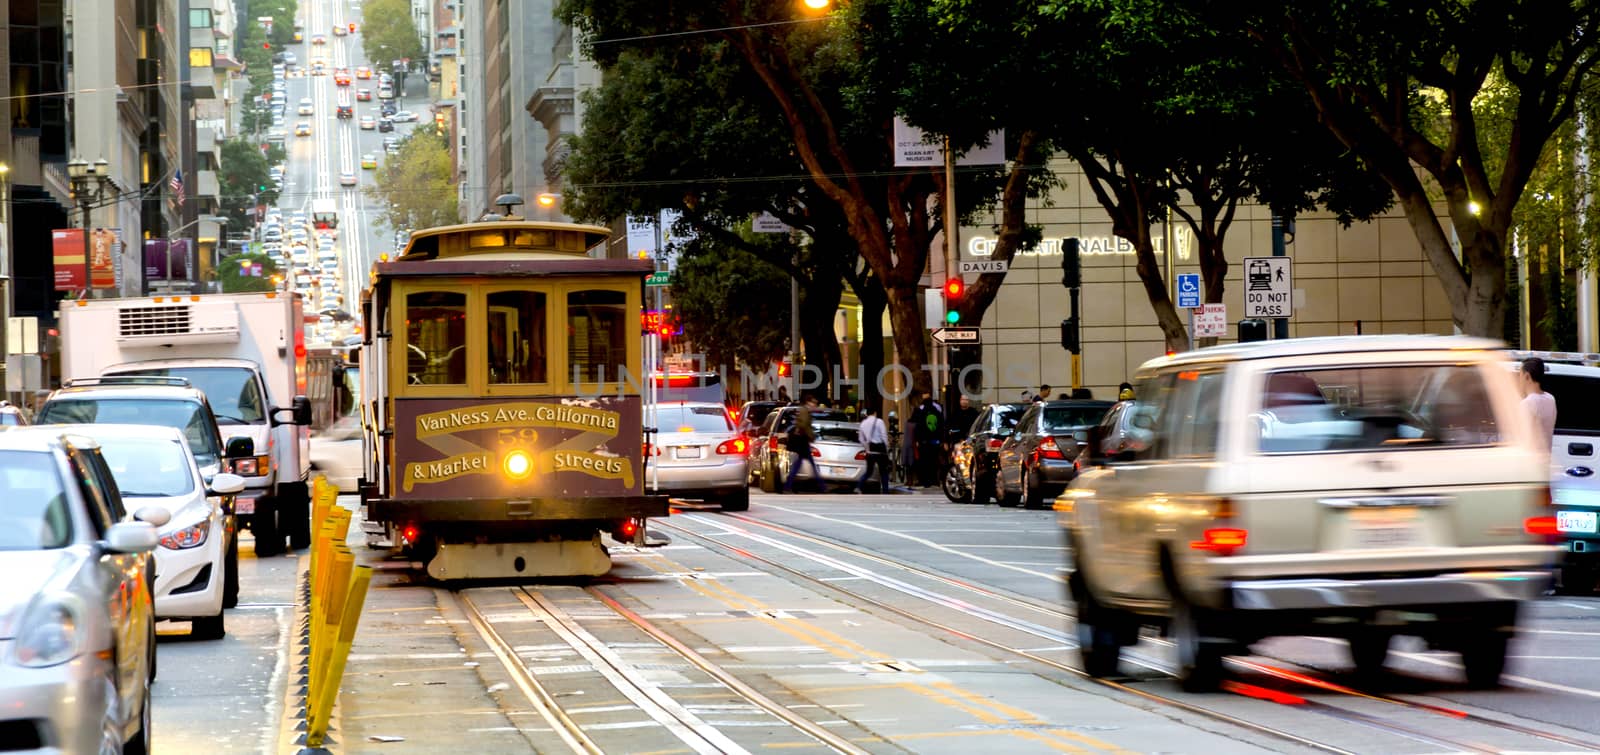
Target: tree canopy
[(386, 32), (733, 306), (1415, 89), (244, 174), (415, 187), (236, 277), (766, 111)]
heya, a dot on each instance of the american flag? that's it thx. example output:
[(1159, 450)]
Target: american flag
[(177, 184)]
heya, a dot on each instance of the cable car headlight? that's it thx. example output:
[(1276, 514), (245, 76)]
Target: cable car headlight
[(517, 464)]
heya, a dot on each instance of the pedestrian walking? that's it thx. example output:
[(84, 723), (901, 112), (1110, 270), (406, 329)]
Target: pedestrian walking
[(1043, 394), (929, 424), (960, 423), (874, 435), (800, 438), (1540, 406)]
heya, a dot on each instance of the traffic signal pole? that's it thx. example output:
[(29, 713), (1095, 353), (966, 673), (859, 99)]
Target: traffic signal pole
[(952, 235), (1072, 279)]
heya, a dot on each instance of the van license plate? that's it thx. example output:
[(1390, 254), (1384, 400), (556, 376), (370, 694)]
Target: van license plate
[(1386, 528), (686, 452), (1576, 521)]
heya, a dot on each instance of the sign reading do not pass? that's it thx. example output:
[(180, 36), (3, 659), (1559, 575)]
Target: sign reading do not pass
[(1268, 287)]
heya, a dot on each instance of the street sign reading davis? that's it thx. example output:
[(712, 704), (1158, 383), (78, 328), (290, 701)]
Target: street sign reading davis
[(1268, 287)]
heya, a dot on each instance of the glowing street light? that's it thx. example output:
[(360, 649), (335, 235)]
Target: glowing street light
[(547, 199), (817, 4)]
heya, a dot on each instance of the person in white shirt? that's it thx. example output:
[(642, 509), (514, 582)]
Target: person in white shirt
[(1540, 406), (874, 435)]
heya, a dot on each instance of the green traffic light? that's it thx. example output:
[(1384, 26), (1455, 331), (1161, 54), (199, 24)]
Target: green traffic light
[(952, 317)]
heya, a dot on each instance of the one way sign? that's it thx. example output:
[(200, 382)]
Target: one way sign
[(1268, 287)]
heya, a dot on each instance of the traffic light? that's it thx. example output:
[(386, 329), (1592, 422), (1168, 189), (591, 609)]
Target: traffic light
[(266, 45), (352, 28), (1071, 272), (952, 300), (783, 369), (1069, 335)]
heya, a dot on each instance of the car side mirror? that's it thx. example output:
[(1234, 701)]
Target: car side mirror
[(299, 412), (225, 484), (154, 516), (240, 446), (131, 537)]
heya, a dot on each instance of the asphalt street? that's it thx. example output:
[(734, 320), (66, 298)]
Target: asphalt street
[(895, 623)]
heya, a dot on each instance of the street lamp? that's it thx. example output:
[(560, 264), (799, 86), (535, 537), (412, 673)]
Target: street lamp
[(89, 184), (547, 200)]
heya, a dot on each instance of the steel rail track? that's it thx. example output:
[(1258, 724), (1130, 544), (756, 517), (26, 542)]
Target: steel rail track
[(1319, 707)]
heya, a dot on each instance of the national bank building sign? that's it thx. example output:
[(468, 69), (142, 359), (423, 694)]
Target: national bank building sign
[(983, 246)]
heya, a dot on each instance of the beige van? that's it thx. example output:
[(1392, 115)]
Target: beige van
[(1352, 487)]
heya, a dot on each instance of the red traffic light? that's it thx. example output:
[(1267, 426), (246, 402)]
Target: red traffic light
[(953, 288), (665, 331), (352, 28), (783, 369), (266, 45)]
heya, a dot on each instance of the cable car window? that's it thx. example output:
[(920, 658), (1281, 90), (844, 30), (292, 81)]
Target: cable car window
[(597, 334), (436, 338), (517, 337)]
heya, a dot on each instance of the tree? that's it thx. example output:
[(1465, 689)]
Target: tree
[(236, 277), (1402, 85), (823, 156), (386, 31), (1181, 122), (734, 307), (244, 175), (415, 187)]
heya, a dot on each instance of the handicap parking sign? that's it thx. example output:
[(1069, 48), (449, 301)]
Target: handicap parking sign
[(1188, 290)]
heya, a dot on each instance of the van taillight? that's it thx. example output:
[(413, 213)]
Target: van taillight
[(1222, 541), (1540, 525)]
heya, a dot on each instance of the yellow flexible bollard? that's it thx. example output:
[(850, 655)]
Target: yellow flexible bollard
[(325, 630), (320, 712)]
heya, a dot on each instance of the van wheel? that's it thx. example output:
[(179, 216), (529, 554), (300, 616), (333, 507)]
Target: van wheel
[(1484, 658), (1199, 656), (139, 743), (1370, 651), (264, 525), (1098, 646)]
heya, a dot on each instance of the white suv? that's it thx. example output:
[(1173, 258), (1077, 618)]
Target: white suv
[(1575, 463), (1356, 487)]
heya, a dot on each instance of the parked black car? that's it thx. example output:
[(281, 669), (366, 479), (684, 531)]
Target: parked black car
[(976, 458), (1036, 460)]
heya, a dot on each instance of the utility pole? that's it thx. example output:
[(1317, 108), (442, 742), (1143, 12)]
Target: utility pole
[(952, 237), (1280, 234), (1587, 293)]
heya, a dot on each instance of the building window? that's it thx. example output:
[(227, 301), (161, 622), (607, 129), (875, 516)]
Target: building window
[(200, 18), (200, 57)]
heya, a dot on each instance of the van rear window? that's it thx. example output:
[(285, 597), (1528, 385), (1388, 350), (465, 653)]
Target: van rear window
[(1576, 410), (1375, 407)]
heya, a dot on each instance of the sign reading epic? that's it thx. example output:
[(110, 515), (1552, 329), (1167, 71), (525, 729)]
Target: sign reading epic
[(461, 448)]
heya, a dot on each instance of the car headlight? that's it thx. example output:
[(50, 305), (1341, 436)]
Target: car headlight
[(192, 536), (50, 632)]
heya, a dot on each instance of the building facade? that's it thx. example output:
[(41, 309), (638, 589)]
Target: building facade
[(1365, 279)]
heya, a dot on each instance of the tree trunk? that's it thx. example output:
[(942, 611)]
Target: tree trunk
[(905, 318), (873, 303), (1127, 200), (818, 305)]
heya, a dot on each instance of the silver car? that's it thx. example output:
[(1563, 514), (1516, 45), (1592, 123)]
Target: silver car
[(840, 457), (698, 454), (77, 622)]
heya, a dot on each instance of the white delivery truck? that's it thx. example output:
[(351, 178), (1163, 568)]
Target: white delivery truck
[(247, 353)]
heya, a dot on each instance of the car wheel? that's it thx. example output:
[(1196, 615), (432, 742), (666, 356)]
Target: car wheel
[(982, 489), (152, 675), (1199, 657), (769, 477), (953, 488), (1098, 646), (1369, 651), (1004, 495), (139, 744), (1031, 498), (737, 501), (208, 627), (230, 579)]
